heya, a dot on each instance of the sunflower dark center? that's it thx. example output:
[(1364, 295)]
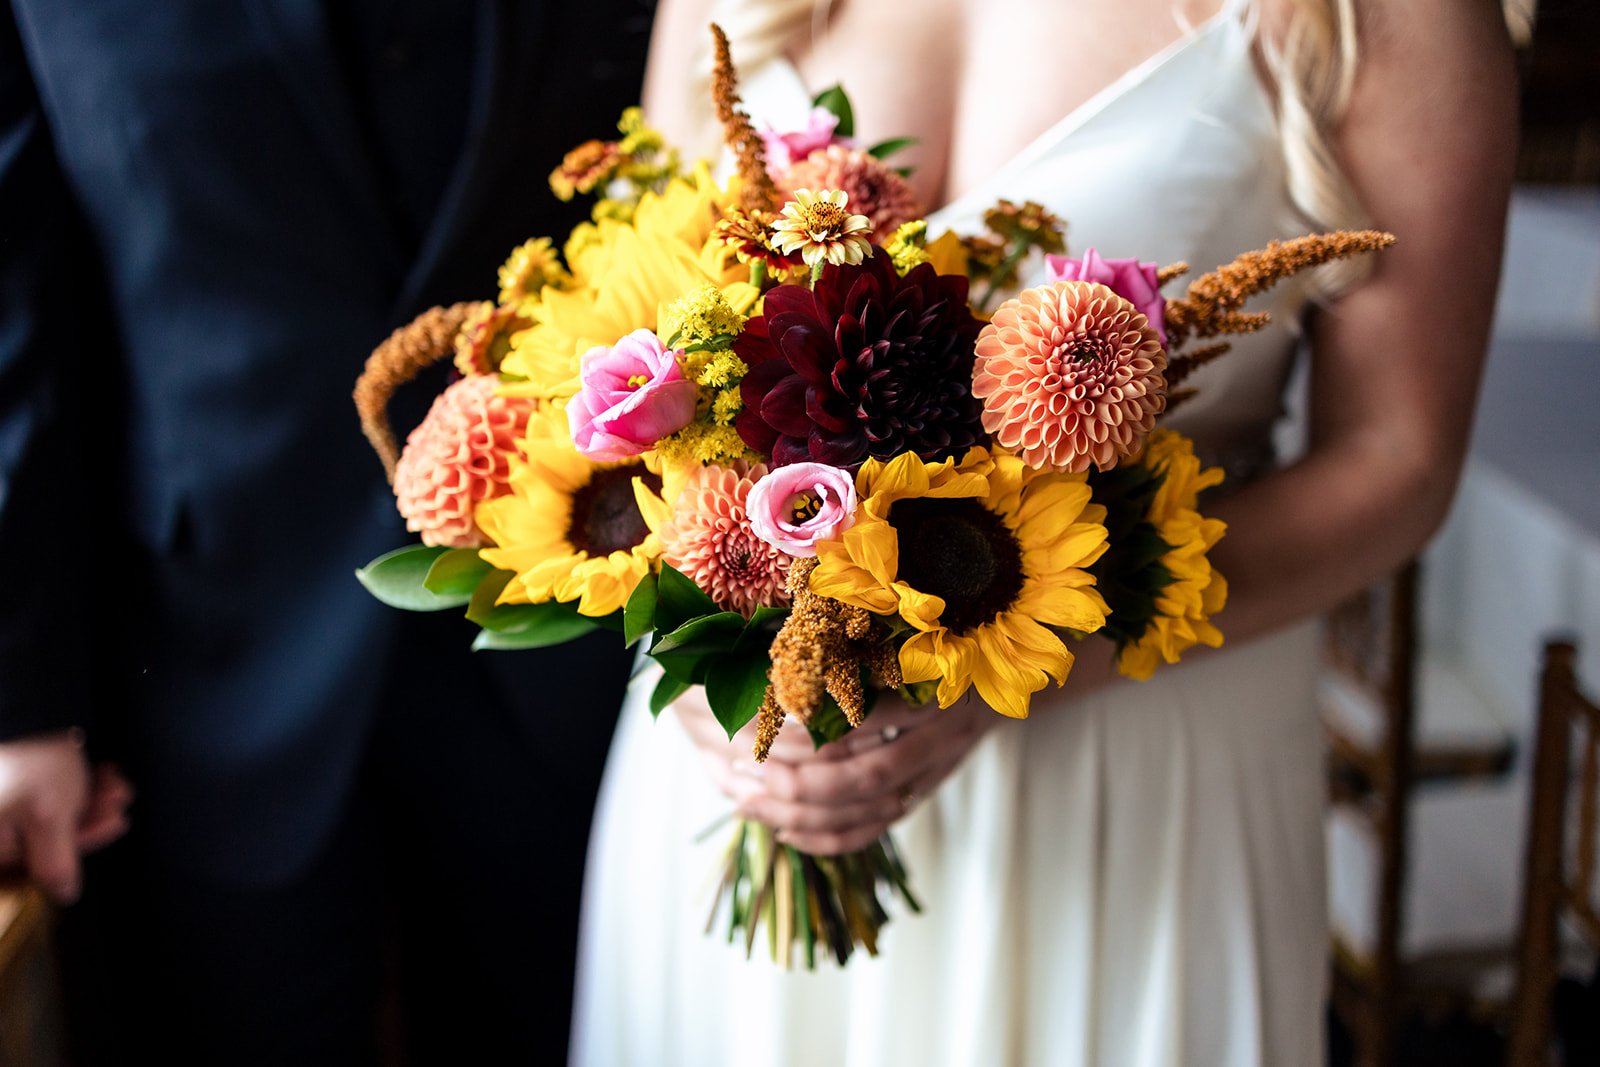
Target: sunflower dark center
[(605, 516), (961, 552)]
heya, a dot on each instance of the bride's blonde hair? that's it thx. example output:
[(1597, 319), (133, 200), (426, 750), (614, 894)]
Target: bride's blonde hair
[(1313, 65)]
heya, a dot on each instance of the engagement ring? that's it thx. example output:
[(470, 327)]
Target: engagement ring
[(889, 733)]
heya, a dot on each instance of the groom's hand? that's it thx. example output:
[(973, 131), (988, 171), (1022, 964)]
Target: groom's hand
[(52, 810)]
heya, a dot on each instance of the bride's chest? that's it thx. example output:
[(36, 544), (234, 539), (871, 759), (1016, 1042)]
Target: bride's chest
[(979, 82)]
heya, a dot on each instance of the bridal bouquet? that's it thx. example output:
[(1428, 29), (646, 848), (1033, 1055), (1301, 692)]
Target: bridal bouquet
[(765, 427)]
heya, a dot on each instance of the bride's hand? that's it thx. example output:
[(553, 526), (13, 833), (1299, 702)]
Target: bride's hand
[(844, 796), (731, 765)]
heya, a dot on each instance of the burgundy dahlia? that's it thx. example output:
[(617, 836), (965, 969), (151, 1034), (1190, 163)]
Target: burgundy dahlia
[(867, 364)]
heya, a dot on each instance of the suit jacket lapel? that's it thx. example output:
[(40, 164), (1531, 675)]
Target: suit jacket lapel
[(298, 37)]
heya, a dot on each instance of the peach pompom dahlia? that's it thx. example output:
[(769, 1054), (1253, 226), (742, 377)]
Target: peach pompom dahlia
[(457, 457), (1070, 374), (711, 540)]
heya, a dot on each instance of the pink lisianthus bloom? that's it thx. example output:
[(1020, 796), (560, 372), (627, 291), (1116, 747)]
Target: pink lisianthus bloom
[(634, 393), (784, 150), (1137, 283), (796, 506)]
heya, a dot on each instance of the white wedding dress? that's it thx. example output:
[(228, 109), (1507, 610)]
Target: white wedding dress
[(1131, 879)]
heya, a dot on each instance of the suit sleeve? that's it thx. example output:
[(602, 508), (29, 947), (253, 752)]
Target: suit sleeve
[(46, 493)]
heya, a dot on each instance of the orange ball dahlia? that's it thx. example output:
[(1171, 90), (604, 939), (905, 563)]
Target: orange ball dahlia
[(874, 188), (457, 457), (1070, 374), (710, 539)]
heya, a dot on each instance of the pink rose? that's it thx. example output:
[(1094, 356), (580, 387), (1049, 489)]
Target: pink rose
[(784, 150), (796, 506), (634, 393), (1137, 283)]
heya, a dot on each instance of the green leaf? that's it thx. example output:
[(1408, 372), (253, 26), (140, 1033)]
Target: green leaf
[(829, 723), (639, 617), (482, 608), (885, 149), (456, 574), (764, 616), (534, 626), (688, 652), (678, 600), (735, 686), (709, 631), (761, 628), (397, 578), (836, 101), (666, 691)]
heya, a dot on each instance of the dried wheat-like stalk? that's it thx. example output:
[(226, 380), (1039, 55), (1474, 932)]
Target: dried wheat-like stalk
[(406, 353), (1212, 303), (757, 193)]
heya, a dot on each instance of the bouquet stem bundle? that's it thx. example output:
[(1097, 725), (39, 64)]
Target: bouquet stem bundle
[(799, 901)]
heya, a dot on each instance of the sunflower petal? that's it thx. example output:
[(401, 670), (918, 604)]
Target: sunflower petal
[(1061, 606), (1044, 649)]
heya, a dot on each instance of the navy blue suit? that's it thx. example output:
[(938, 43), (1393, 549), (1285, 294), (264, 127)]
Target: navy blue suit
[(209, 213)]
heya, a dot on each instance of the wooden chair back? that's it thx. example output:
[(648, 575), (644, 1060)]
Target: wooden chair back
[(1559, 880), (1371, 642)]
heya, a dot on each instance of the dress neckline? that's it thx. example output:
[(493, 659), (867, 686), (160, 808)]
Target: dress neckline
[(1121, 88)]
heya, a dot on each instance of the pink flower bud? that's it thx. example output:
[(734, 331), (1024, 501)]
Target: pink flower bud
[(796, 506), (784, 150), (634, 394), (1137, 283)]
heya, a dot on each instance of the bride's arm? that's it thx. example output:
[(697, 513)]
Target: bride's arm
[(1429, 144)]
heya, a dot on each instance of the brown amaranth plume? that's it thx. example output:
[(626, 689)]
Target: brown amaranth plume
[(757, 193), (1212, 304), (406, 353), (821, 649)]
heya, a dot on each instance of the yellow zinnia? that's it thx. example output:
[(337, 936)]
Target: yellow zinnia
[(981, 558), (572, 529), (1197, 591)]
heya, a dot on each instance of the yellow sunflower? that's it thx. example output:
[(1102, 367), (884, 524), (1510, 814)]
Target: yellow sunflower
[(572, 529), (980, 558), (1197, 591), (621, 276)]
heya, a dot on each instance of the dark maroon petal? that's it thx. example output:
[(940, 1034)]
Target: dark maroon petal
[(807, 347), (754, 432), (784, 408), (760, 380), (828, 411), (789, 300), (838, 450), (789, 450)]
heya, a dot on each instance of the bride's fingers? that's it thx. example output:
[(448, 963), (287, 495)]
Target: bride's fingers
[(853, 780), (789, 817), (878, 818)]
